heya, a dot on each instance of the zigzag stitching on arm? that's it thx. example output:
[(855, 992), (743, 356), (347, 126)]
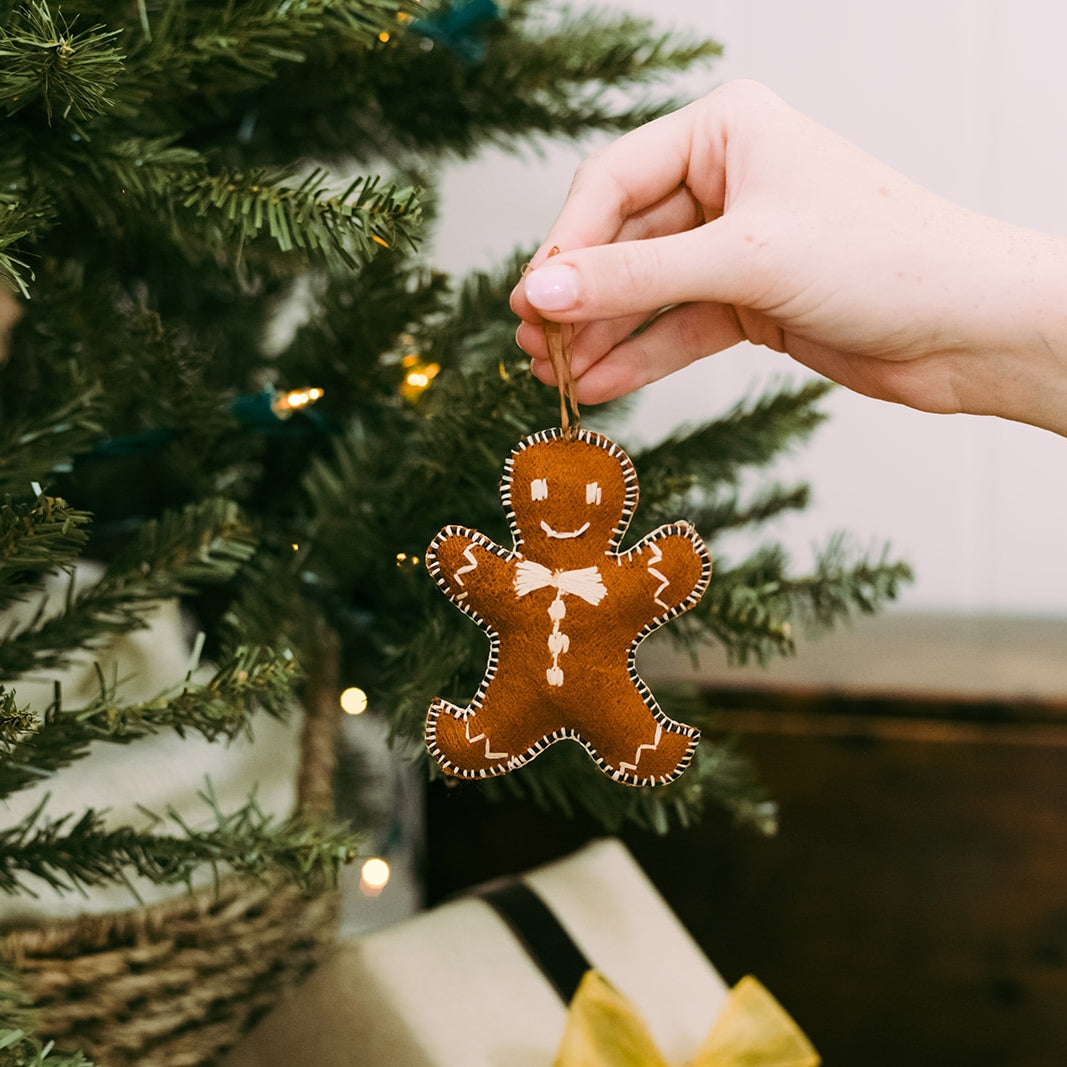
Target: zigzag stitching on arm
[(664, 580), (468, 553)]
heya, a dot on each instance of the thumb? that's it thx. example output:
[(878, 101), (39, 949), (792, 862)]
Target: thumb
[(611, 281)]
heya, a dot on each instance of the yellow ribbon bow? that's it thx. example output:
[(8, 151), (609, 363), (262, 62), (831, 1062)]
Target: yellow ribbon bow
[(752, 1030)]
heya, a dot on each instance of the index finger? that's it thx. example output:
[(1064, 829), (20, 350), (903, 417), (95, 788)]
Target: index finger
[(677, 212), (633, 173)]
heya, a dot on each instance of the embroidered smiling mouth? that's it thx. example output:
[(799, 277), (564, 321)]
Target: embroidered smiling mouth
[(563, 535)]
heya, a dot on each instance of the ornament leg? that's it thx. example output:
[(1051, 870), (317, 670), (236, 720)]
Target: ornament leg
[(457, 740), (645, 748)]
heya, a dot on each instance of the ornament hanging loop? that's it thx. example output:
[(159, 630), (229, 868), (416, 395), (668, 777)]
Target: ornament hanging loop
[(560, 357), (559, 354)]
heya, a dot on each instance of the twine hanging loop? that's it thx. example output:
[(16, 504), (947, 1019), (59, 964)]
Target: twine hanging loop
[(560, 357)]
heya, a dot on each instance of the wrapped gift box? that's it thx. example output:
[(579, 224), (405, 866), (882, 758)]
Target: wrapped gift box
[(455, 986)]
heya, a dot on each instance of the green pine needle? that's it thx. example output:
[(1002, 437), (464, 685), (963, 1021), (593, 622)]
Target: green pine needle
[(206, 542), (37, 539), (37, 449), (251, 679), (73, 854), (352, 224), (45, 59), (19, 1048)]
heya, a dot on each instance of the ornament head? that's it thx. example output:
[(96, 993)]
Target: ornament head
[(569, 496)]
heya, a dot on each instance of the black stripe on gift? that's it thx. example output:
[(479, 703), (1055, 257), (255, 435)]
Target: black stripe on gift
[(539, 932)]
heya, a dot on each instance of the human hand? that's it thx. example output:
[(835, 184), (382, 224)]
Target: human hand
[(737, 218)]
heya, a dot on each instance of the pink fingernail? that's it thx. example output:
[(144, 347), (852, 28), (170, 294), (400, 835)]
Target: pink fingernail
[(552, 287)]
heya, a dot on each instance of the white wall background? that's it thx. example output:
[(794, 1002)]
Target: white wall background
[(968, 97)]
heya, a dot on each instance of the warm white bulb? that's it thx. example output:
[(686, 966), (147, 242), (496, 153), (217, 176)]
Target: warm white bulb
[(353, 701), (374, 877)]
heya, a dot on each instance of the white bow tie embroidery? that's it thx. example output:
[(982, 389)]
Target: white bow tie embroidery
[(585, 583)]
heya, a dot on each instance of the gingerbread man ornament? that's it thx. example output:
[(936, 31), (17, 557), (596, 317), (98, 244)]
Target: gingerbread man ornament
[(565, 612)]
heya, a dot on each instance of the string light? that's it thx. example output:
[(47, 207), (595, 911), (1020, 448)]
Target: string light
[(374, 877), (418, 376), (284, 404), (404, 560), (353, 701)]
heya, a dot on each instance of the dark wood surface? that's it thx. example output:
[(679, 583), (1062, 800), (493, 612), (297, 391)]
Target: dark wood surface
[(911, 910)]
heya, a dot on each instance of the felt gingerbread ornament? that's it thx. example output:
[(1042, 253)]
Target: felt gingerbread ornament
[(565, 611)]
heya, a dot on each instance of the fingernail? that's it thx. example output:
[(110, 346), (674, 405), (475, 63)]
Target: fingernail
[(552, 287)]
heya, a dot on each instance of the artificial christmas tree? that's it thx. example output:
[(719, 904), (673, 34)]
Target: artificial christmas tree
[(232, 383)]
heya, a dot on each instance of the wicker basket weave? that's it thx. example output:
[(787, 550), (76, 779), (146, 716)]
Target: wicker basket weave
[(176, 984)]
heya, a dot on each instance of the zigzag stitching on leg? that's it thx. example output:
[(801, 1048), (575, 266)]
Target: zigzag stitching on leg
[(643, 748), (479, 737)]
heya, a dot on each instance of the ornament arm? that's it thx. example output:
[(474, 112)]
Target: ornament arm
[(677, 565), (469, 567)]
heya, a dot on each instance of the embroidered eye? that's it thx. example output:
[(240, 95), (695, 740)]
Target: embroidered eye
[(592, 493), (539, 489)]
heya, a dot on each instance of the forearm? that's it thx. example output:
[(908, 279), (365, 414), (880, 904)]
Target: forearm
[(1018, 338)]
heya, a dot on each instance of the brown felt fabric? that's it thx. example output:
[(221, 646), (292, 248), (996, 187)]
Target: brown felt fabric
[(565, 612)]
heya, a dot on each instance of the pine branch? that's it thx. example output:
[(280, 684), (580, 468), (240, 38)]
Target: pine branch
[(551, 78), (15, 273), (753, 609), (239, 45), (144, 167), (844, 583), (438, 660), (714, 513), (726, 777), (733, 513), (43, 58), (401, 503), (751, 434), (206, 542), (35, 449), (352, 225), (26, 210), (471, 323), (221, 707), (19, 1048), (589, 49), (362, 22), (737, 611), (15, 722), (381, 312), (37, 539), (71, 854), (234, 57)]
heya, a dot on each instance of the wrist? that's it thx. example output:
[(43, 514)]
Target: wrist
[(1019, 339)]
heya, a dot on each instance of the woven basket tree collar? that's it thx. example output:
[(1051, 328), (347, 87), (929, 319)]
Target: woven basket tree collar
[(565, 611)]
